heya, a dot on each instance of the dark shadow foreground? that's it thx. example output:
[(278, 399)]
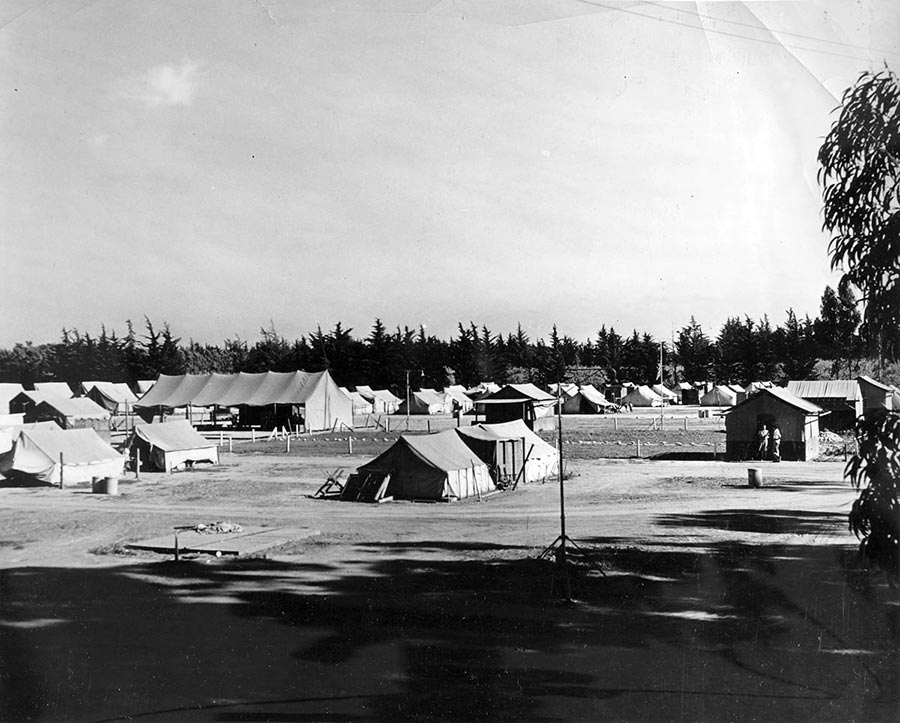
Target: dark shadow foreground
[(442, 630)]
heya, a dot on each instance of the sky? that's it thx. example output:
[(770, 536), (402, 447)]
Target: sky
[(226, 166)]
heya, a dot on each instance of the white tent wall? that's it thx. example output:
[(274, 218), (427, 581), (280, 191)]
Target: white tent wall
[(327, 407), (167, 461), (470, 482)]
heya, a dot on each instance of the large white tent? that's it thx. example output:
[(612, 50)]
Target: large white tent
[(314, 396), (78, 455)]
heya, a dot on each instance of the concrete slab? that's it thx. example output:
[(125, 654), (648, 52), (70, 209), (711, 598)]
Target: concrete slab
[(251, 540)]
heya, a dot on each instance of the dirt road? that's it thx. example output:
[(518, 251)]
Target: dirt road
[(719, 602)]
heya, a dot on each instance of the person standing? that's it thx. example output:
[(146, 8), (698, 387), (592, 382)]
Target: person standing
[(762, 441), (776, 443)]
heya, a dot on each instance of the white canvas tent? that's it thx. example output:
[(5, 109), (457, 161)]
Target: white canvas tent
[(114, 397), (425, 402), (361, 405), (666, 393), (427, 467), (594, 401), (170, 445), (36, 455), (643, 396), (384, 402), (719, 396), (271, 398), (457, 394)]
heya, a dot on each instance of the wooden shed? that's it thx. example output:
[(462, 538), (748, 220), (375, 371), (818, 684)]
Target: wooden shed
[(841, 398), (875, 395), (797, 418)]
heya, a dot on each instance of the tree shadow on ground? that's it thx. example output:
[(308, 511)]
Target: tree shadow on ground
[(718, 631)]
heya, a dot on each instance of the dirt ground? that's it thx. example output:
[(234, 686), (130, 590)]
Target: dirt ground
[(717, 602)]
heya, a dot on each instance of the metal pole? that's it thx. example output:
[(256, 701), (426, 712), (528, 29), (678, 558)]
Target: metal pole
[(562, 561), (562, 495), (407, 400)]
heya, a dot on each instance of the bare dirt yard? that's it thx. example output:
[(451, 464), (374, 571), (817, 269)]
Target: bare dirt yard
[(719, 602)]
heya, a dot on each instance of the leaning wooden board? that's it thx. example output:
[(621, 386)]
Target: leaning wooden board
[(251, 540)]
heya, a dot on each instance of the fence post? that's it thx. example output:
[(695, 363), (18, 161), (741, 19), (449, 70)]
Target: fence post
[(638, 442), (287, 445), (230, 443), (252, 434), (137, 464), (349, 445), (616, 423), (685, 424), (61, 465)]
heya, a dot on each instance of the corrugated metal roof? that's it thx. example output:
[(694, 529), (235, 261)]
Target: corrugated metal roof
[(847, 389)]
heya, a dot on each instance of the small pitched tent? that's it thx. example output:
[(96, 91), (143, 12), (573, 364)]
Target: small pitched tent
[(361, 405), (719, 396), (384, 402), (667, 394), (116, 398), (166, 446), (754, 387), (36, 455), (423, 467), (569, 395), (458, 399), (481, 390), (75, 413), (593, 401), (643, 396), (425, 402)]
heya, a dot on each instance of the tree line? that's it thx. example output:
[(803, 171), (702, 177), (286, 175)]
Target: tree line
[(744, 350)]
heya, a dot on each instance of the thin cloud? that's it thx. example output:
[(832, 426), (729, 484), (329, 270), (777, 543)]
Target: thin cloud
[(165, 85)]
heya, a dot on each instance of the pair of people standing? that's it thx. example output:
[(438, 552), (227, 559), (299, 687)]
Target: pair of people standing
[(768, 440)]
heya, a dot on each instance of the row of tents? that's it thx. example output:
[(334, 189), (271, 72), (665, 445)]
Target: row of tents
[(454, 464), (44, 452)]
